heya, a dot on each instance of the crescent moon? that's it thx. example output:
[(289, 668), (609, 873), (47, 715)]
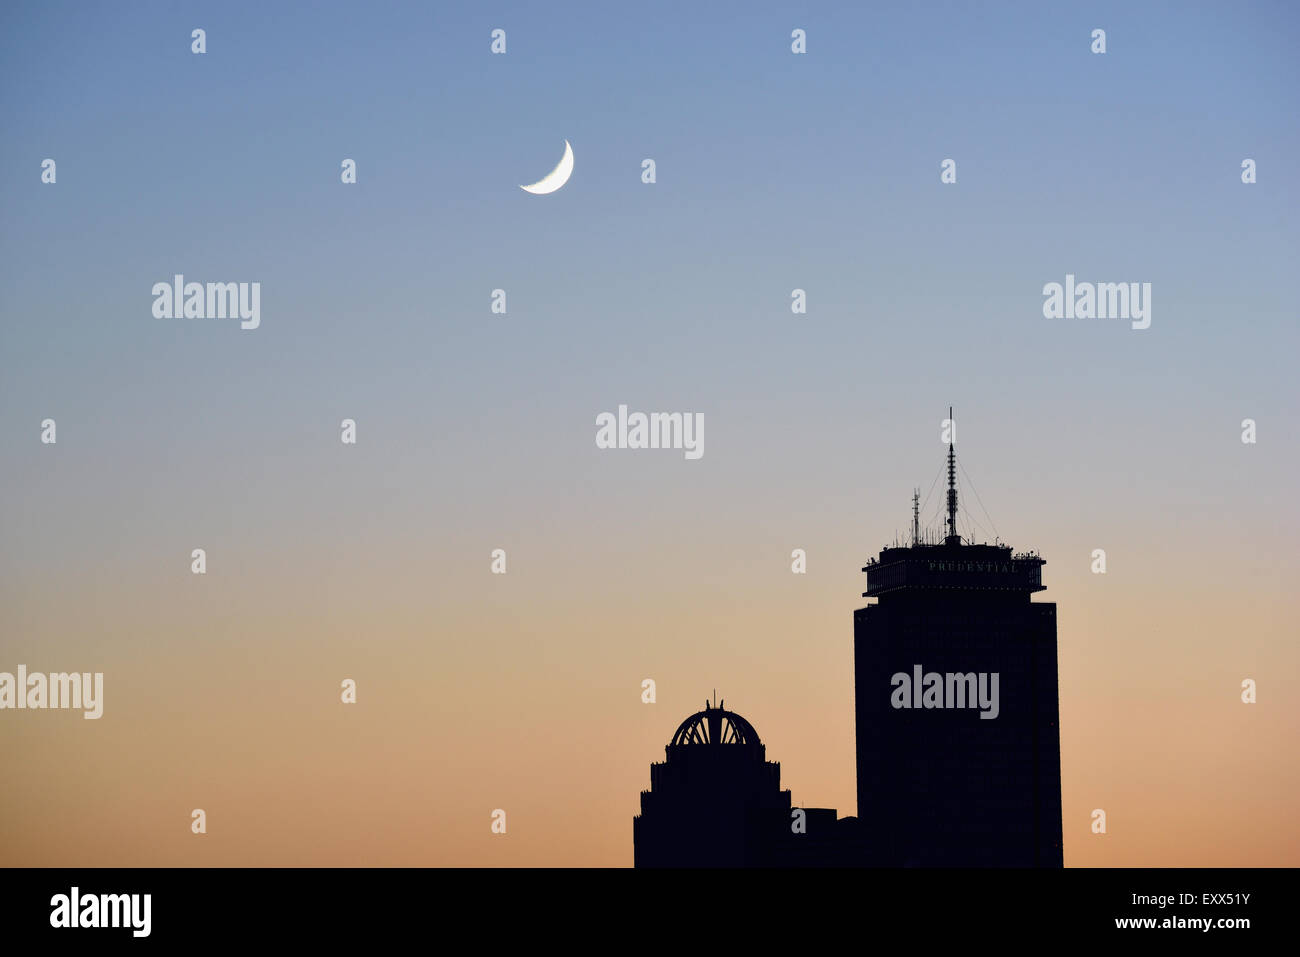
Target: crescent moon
[(556, 177)]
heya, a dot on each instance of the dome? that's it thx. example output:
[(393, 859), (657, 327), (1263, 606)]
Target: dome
[(715, 725)]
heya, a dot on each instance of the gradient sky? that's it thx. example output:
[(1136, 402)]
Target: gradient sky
[(476, 431)]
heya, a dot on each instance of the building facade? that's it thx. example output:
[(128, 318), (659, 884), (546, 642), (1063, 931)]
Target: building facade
[(956, 701)]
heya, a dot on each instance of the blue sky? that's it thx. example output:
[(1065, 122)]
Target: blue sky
[(775, 171)]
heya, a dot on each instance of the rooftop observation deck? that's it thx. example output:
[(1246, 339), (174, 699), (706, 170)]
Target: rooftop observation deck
[(953, 566)]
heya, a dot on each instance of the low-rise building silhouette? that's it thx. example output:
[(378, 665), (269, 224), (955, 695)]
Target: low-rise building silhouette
[(716, 801)]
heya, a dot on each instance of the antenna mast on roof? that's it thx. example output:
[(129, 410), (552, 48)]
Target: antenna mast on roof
[(953, 538), (916, 517)]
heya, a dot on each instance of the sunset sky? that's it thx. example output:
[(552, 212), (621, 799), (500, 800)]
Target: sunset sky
[(476, 431)]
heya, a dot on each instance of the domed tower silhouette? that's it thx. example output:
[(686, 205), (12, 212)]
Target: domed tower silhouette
[(716, 801)]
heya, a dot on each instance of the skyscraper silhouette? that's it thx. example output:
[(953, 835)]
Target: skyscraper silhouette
[(942, 780)]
